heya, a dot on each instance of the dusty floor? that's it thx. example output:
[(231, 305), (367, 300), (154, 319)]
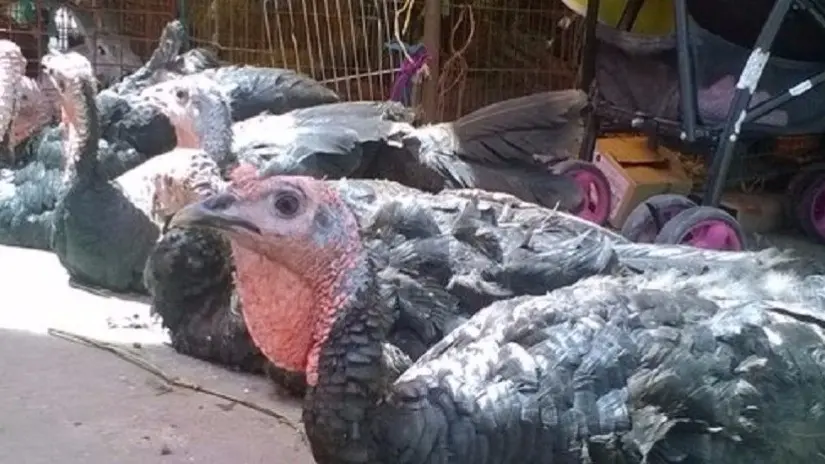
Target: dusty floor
[(70, 403), (810, 254)]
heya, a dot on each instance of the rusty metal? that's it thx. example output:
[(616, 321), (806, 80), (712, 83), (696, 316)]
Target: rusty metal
[(432, 40)]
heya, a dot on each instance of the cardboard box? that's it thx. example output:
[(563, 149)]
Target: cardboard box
[(636, 173), (756, 212)]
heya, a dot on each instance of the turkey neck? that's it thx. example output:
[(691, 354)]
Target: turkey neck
[(350, 373), (8, 109), (212, 132), (83, 128)]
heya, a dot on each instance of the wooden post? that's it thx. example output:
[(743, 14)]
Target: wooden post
[(432, 40)]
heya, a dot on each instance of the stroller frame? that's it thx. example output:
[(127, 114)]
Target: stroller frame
[(724, 136)]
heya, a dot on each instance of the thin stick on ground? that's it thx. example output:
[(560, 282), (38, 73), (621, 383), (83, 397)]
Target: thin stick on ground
[(142, 363)]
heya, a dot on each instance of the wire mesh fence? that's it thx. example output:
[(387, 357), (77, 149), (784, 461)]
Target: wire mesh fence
[(116, 35), (490, 50), (493, 50), (342, 43)]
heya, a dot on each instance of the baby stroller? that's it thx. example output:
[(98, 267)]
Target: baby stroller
[(736, 82)]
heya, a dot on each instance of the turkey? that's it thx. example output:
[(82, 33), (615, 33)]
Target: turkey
[(131, 132), (32, 111), (30, 174), (251, 90), (452, 259), (126, 118), (721, 367), (104, 228), (368, 118), (30, 163), (446, 256), (492, 148)]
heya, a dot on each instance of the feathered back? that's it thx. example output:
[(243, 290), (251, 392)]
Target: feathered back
[(514, 130)]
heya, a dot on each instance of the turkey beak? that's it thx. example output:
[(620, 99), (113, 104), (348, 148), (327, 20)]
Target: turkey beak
[(220, 212)]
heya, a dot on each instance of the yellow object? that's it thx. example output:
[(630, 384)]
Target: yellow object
[(636, 173), (655, 17)]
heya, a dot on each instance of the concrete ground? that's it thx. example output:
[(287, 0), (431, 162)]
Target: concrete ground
[(62, 401)]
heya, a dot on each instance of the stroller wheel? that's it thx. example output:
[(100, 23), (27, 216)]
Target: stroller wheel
[(796, 188), (648, 217), (703, 227), (811, 208), (595, 188)]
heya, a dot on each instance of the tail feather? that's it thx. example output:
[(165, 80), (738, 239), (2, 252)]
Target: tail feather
[(519, 128), (332, 140), (532, 184), (495, 147)]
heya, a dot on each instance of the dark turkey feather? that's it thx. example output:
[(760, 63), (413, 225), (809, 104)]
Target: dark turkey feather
[(519, 128), (253, 90), (29, 190), (663, 368), (335, 140)]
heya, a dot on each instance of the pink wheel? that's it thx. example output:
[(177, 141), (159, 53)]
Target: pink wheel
[(703, 227), (811, 208), (595, 205)]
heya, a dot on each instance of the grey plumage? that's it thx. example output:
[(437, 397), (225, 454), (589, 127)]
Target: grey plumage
[(670, 368)]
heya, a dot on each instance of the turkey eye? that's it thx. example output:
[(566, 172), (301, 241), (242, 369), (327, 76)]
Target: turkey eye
[(181, 95), (287, 204)]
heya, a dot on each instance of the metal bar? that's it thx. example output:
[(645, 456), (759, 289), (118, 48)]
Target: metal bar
[(629, 15), (586, 82), (775, 102), (182, 14), (687, 84), (588, 69), (40, 31), (432, 40), (814, 9), (592, 127), (748, 81)]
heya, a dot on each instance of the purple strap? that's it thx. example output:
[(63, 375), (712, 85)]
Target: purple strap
[(409, 67)]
